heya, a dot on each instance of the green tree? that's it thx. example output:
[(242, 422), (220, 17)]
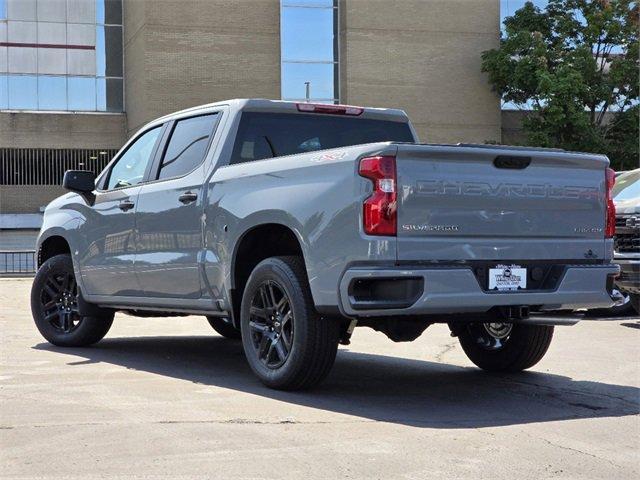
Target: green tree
[(574, 64)]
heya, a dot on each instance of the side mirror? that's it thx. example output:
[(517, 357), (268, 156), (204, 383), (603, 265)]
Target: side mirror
[(81, 181)]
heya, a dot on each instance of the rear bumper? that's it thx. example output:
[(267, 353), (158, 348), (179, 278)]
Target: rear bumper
[(629, 279), (450, 290)]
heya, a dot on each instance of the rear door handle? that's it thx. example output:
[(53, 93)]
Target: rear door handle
[(188, 197), (126, 205)]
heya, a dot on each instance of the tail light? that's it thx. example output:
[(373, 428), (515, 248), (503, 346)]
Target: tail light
[(379, 211), (610, 229)]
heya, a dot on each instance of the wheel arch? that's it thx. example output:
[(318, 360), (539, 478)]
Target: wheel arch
[(52, 245), (254, 245)]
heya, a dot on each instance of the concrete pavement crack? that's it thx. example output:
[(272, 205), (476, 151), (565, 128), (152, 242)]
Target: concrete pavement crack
[(576, 450), (446, 349)]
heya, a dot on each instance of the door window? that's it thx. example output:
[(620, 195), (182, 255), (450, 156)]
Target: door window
[(187, 145), (130, 167)]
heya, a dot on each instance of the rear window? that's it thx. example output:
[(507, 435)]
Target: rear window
[(187, 145), (267, 135)]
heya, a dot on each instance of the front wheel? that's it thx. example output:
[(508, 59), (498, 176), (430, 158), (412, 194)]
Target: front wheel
[(505, 347), (625, 308), (224, 328), (54, 306), (635, 302), (287, 344)]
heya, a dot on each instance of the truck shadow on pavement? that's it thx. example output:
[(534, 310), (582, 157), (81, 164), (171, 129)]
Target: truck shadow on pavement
[(377, 387)]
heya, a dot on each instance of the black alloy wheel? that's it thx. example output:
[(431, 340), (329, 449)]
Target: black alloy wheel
[(59, 300), (288, 345), (55, 298), (271, 324)]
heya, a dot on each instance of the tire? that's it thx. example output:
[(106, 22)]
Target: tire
[(623, 310), (224, 328), (287, 344), (521, 346), (635, 301), (59, 321)]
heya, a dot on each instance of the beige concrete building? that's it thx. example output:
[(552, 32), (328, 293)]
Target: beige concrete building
[(423, 56), (181, 53), (31, 142), (78, 77)]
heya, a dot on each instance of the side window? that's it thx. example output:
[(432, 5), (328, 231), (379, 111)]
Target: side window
[(187, 145), (130, 167)]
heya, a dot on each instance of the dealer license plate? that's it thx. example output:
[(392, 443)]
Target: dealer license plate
[(507, 277)]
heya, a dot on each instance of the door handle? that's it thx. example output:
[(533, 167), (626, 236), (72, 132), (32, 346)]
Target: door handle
[(126, 205), (188, 197)]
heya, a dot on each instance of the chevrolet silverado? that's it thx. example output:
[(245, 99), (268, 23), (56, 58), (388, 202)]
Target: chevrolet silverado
[(288, 224)]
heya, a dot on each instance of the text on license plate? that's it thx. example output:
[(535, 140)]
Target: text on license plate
[(507, 277)]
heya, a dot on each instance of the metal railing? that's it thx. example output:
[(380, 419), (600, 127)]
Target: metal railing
[(46, 166), (17, 262)]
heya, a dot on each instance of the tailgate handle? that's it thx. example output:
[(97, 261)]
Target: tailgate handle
[(512, 163)]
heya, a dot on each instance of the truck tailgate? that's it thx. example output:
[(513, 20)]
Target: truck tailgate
[(495, 203)]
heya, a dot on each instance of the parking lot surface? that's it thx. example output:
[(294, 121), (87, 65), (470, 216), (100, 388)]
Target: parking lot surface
[(169, 398)]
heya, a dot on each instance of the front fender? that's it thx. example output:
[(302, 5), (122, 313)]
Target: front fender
[(61, 223)]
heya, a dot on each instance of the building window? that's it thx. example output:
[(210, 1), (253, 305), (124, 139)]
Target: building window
[(61, 55), (309, 50)]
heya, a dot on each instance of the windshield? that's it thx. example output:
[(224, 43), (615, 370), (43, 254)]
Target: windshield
[(267, 135), (627, 186)]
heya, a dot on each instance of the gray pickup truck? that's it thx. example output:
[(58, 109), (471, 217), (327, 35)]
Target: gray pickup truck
[(289, 224)]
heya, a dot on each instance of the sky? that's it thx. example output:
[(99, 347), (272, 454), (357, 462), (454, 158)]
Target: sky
[(509, 7)]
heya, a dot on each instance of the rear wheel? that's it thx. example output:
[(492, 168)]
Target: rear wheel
[(287, 344), (223, 327), (54, 306), (505, 347)]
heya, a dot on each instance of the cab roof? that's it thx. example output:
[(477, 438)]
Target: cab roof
[(265, 105)]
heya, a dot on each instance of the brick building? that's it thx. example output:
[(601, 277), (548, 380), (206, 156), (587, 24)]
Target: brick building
[(77, 77)]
